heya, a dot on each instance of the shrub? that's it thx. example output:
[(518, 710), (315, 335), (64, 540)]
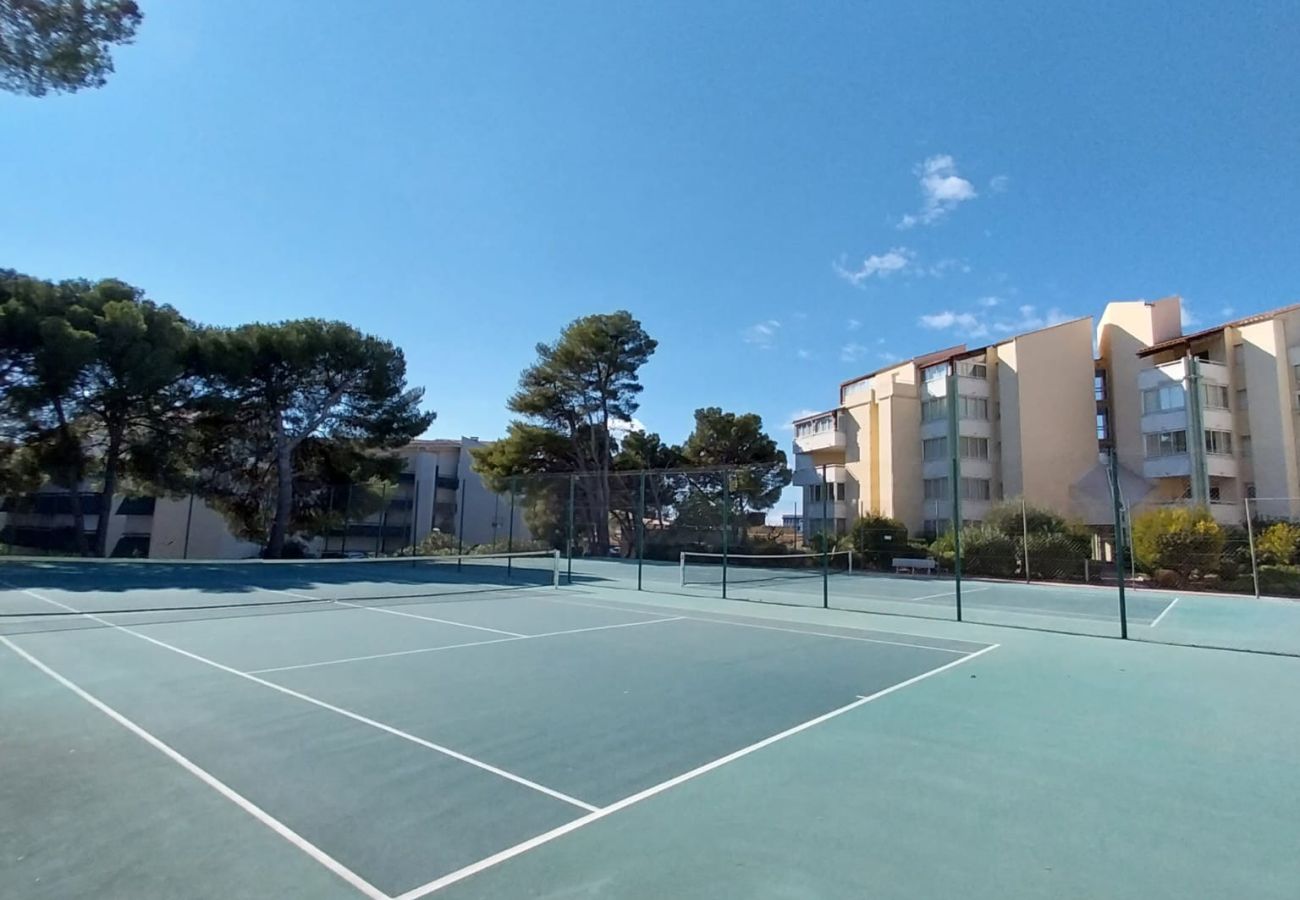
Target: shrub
[(1180, 539), (1006, 517), (1057, 555), (1279, 544), (984, 551), (876, 540), (435, 543)]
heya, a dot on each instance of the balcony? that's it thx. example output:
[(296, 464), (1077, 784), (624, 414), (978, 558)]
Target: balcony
[(809, 475), (1175, 372), (823, 431), (1179, 465)]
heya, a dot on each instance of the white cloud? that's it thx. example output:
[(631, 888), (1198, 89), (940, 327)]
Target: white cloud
[(852, 351), (801, 353), (1190, 319), (1031, 319), (890, 357), (989, 302), (623, 427), (968, 324), (882, 265), (761, 334), (853, 324), (942, 191), (944, 267), (788, 424), (999, 183), (798, 316), (1227, 312)]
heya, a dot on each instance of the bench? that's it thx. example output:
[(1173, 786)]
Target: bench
[(915, 565)]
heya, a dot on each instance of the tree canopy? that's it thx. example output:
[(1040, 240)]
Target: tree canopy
[(62, 45)]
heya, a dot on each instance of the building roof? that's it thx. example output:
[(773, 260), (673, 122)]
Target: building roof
[(922, 361), (1186, 339)]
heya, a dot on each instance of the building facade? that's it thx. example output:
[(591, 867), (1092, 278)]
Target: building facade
[(437, 490), (1209, 417)]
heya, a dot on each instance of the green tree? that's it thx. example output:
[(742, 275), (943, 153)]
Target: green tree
[(738, 442), (1181, 539), (877, 539), (272, 387), (579, 386), (62, 45)]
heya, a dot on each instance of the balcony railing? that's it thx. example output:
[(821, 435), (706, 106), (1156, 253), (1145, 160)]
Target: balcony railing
[(823, 431)]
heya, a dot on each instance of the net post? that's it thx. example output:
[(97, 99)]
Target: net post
[(460, 529), (555, 569), (826, 544), (640, 529), (955, 480), (1254, 561), (573, 486), (1119, 544), (1024, 536), (726, 525), (510, 528)]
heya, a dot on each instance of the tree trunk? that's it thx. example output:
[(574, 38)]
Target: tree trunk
[(108, 490), (283, 494)]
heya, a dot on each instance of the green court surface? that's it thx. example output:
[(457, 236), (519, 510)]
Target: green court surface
[(343, 731)]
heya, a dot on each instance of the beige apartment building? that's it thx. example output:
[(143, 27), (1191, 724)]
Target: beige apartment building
[(1038, 413)]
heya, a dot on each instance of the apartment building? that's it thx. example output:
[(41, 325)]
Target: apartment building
[(1026, 426), (437, 489), (1208, 417)]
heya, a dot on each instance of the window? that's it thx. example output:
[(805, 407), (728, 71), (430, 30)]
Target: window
[(1295, 373), (1250, 490), (1099, 386), (973, 407), (975, 489), (820, 425), (935, 373), (972, 369), (1244, 446), (815, 493), (1165, 443), (934, 448), (934, 409), (935, 527), (936, 488), (839, 491), (1166, 397), (975, 448), (1214, 396), (1218, 442), (854, 387), (1103, 427)]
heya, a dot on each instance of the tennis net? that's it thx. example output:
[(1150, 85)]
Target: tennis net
[(48, 586), (710, 568)]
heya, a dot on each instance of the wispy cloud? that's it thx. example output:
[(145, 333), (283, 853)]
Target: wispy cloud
[(946, 267), (942, 191), (1029, 319), (989, 302), (999, 183), (879, 265), (890, 357), (1227, 312), (801, 353), (968, 324), (853, 324), (1190, 318), (761, 334), (852, 351)]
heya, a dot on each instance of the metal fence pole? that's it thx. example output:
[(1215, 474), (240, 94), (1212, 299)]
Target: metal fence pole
[(347, 512), (955, 480), (189, 520), (726, 525), (383, 522), (510, 529), (573, 484), (460, 530), (413, 526), (1119, 544), (640, 530), (1254, 562), (1024, 529), (826, 543)]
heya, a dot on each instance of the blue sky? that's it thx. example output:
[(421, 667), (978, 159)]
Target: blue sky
[(786, 194)]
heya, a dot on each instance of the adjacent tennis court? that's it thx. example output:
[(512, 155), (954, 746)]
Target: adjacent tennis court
[(467, 729)]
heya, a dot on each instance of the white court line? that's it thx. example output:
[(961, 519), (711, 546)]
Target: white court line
[(210, 780), (357, 717), (1164, 612), (964, 592), (393, 612), (505, 640), (843, 637), (511, 852)]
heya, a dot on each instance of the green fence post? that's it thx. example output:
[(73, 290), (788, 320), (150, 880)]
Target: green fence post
[(954, 481), (573, 484), (510, 529), (1119, 543), (383, 521), (347, 512), (726, 525), (826, 543), (460, 530), (640, 529)]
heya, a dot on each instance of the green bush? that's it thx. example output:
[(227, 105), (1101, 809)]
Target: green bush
[(1279, 544), (876, 540), (1057, 555), (1180, 539), (984, 551), (435, 543), (1006, 517)]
